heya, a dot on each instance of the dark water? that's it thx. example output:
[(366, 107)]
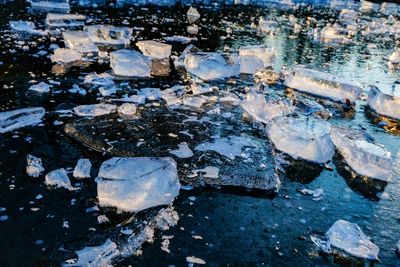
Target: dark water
[(236, 229)]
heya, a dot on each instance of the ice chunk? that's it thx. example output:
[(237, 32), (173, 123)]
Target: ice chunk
[(57, 20), (18, 118), (51, 5), (255, 105), (154, 49), (79, 40), (41, 87), (193, 15), (26, 26), (127, 110), (211, 66), (109, 35), (385, 100), (130, 63), (63, 55), (183, 151), (350, 238), (254, 58), (369, 6), (178, 39), (96, 256), (267, 26), (94, 110), (362, 155), (208, 172), (389, 8), (82, 169), (394, 58), (302, 137), (135, 184), (333, 34), (34, 167), (58, 178), (321, 84), (194, 260), (103, 79)]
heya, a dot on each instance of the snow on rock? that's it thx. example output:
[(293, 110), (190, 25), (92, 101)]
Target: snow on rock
[(154, 49), (193, 15), (302, 137), (130, 63), (82, 169), (58, 178), (64, 55), (134, 184), (18, 118), (256, 106), (254, 58), (109, 35), (183, 151), (41, 87), (79, 41), (321, 84), (34, 166), (127, 110), (363, 155), (94, 110), (211, 65), (385, 101)]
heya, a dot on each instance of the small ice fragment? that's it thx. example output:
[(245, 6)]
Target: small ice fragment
[(193, 15), (34, 166), (41, 87), (102, 219), (127, 110), (254, 58), (58, 178), (154, 49), (94, 110), (194, 260), (109, 35), (64, 55), (130, 63), (103, 79), (3, 218), (207, 172), (27, 27), (82, 169), (183, 151), (18, 118)]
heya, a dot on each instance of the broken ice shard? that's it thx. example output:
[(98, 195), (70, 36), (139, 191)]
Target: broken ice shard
[(134, 184), (58, 178), (79, 40), (183, 151), (302, 137), (333, 34), (350, 238), (254, 58), (82, 169), (94, 110), (154, 49), (193, 15), (130, 63), (15, 119), (65, 21), (34, 166), (212, 65), (26, 27), (321, 84), (109, 35), (66, 56), (127, 110), (364, 156), (61, 6), (385, 100), (41, 87)]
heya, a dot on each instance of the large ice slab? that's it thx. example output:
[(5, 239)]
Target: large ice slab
[(385, 100), (94, 110), (211, 65), (135, 184), (302, 137), (130, 63), (57, 20), (18, 118), (363, 155), (79, 40), (109, 35), (321, 84), (255, 57), (154, 49)]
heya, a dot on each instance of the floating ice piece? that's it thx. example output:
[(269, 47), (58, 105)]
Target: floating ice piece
[(103, 79), (58, 178), (350, 238), (135, 184), (183, 151), (254, 58), (194, 101), (127, 110), (57, 20), (34, 167), (229, 147), (178, 39), (18, 118), (63, 55), (193, 29), (82, 169), (211, 66), (193, 15), (77, 90), (26, 26), (267, 26), (194, 260), (94, 110), (96, 256), (316, 193), (208, 172), (109, 35), (333, 34), (255, 105), (154, 49), (79, 40), (51, 5), (130, 63), (362, 155), (321, 84), (385, 101), (41, 87), (302, 137)]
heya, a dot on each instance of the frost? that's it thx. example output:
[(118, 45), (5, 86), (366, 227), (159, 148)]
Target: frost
[(34, 167), (94, 110), (18, 118), (130, 63), (82, 169), (58, 178)]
